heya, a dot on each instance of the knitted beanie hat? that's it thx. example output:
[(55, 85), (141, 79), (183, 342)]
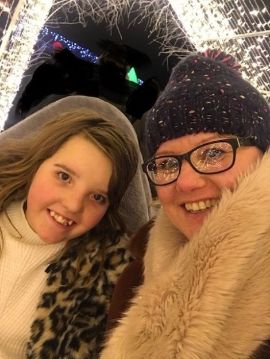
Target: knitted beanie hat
[(206, 93)]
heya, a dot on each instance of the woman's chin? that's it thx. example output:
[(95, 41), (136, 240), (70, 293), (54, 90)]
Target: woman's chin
[(193, 222)]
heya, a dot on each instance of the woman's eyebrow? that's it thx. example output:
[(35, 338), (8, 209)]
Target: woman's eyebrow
[(203, 141)]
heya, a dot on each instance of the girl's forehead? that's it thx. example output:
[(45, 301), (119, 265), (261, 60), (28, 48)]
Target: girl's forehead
[(73, 141)]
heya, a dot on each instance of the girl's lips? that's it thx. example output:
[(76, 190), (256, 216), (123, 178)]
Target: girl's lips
[(59, 219)]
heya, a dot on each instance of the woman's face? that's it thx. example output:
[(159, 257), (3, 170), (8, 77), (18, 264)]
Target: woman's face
[(69, 192), (182, 199)]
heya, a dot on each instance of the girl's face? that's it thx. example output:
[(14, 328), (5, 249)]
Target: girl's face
[(183, 199), (69, 192)]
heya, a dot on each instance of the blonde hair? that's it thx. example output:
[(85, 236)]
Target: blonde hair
[(20, 159)]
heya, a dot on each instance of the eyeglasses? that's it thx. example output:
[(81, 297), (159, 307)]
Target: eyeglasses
[(209, 158)]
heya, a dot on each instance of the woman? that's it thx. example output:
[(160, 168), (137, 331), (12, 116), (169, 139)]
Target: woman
[(205, 292), (63, 243)]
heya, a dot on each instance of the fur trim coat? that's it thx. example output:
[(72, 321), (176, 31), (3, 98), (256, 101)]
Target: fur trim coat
[(208, 298), (71, 316)]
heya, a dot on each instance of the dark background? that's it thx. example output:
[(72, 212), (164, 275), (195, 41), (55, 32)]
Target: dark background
[(135, 36)]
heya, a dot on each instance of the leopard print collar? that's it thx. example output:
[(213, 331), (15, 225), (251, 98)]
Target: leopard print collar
[(71, 316)]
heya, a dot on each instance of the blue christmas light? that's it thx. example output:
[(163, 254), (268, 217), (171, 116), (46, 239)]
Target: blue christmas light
[(78, 50), (49, 36)]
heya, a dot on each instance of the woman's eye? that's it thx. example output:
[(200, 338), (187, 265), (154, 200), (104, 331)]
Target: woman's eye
[(213, 154), (63, 176), (99, 198), (168, 164)]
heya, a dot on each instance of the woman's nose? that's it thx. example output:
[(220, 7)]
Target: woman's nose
[(189, 179)]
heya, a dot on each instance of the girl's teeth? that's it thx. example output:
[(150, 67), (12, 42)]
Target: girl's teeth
[(201, 205), (58, 218)]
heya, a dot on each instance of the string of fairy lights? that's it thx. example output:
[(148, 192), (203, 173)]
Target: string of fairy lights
[(77, 49), (48, 37), (239, 27), (17, 46)]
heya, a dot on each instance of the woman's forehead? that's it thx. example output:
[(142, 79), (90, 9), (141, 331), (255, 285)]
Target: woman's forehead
[(187, 142)]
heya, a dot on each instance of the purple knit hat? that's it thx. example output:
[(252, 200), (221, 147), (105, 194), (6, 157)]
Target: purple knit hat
[(205, 93)]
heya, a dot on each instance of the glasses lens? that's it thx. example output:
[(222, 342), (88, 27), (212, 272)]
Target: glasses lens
[(213, 157), (163, 170)]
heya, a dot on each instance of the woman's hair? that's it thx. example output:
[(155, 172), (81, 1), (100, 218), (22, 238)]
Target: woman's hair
[(20, 159)]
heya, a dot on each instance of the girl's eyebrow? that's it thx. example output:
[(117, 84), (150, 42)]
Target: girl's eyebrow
[(69, 170), (66, 168)]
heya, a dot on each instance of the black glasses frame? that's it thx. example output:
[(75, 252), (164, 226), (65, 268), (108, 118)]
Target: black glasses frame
[(235, 142)]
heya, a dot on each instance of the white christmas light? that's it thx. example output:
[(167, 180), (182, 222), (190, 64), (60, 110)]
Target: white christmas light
[(239, 27), (201, 21), (17, 46)]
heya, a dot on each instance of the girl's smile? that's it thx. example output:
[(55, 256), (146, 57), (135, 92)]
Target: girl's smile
[(60, 219)]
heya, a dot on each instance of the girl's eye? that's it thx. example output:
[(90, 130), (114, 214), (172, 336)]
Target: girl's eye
[(99, 198), (63, 176)]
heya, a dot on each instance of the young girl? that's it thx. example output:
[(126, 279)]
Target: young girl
[(62, 239)]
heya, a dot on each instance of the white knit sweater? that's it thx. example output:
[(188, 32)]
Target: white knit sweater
[(24, 258)]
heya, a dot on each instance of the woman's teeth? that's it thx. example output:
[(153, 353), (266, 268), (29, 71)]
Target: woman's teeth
[(201, 205), (59, 219)]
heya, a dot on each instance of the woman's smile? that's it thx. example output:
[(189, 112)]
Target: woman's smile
[(200, 206), (191, 198)]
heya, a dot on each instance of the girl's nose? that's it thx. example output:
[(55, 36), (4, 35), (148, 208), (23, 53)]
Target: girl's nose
[(74, 202), (189, 180)]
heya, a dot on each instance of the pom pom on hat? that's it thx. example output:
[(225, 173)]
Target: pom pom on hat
[(206, 93), (221, 56)]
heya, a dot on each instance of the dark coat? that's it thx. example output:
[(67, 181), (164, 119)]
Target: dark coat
[(131, 277)]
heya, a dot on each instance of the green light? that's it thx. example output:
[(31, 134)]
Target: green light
[(132, 76)]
